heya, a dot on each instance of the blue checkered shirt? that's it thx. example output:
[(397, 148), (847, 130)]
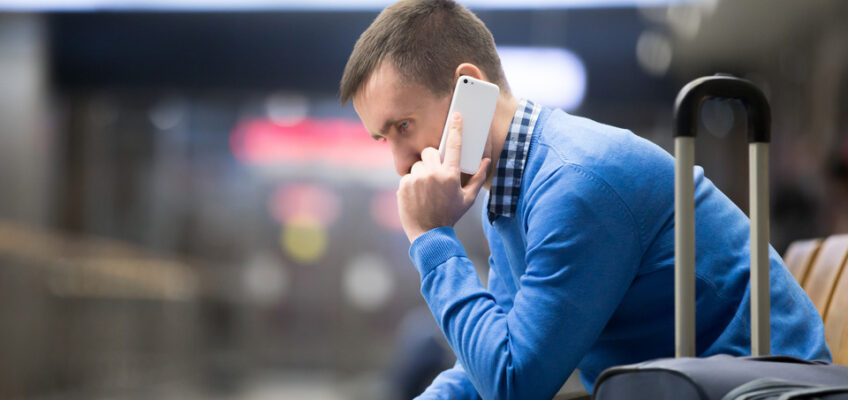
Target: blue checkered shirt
[(503, 197)]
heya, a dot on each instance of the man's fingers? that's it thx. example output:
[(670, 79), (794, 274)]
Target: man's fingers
[(431, 157), (417, 168), (476, 182), (453, 145)]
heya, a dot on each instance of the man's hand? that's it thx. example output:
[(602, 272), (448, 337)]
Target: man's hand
[(431, 194)]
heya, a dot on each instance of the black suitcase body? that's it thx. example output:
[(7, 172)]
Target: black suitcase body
[(686, 377), (709, 378), (781, 389)]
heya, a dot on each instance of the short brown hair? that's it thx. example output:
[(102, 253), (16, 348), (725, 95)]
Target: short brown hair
[(426, 40)]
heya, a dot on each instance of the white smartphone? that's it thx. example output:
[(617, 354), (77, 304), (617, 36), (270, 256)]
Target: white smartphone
[(475, 100)]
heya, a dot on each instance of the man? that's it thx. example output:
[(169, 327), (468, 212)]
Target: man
[(579, 220)]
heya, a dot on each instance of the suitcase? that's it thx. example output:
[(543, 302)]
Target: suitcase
[(778, 389), (686, 377)]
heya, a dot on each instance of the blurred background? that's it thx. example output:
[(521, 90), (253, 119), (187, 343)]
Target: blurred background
[(186, 210)]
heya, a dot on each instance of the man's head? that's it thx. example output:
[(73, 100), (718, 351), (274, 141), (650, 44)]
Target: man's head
[(403, 68)]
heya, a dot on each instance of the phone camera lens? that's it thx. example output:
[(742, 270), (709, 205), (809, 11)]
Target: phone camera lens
[(465, 81)]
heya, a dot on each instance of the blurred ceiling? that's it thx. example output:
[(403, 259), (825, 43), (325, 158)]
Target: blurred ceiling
[(745, 33), (306, 51)]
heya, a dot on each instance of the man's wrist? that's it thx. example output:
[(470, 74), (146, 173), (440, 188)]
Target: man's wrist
[(413, 234), (433, 248)]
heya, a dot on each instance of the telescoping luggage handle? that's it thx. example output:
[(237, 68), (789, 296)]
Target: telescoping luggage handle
[(686, 112)]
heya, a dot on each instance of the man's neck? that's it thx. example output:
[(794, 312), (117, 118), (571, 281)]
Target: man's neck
[(504, 112)]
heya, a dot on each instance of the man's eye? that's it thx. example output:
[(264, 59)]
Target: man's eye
[(403, 126)]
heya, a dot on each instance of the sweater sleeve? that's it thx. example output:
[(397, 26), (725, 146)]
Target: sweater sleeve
[(451, 384), (502, 287), (582, 252)]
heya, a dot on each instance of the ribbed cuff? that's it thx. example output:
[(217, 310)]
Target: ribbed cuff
[(433, 248)]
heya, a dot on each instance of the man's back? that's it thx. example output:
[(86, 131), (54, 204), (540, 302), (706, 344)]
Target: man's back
[(595, 222)]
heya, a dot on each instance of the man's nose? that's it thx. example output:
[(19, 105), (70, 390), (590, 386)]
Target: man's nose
[(404, 158), (404, 164)]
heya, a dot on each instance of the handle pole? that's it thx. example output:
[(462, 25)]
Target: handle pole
[(758, 174), (684, 247)]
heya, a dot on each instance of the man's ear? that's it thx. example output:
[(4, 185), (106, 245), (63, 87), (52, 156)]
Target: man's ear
[(469, 70)]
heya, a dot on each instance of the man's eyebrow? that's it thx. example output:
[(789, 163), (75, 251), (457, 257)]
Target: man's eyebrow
[(386, 125)]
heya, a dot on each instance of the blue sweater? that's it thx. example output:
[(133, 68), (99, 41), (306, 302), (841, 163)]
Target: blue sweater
[(582, 276)]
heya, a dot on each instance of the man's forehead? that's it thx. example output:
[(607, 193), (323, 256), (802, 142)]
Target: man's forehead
[(384, 80), (383, 95), (383, 74)]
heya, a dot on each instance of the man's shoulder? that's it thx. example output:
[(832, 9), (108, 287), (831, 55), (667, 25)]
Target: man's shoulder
[(575, 160), (592, 144), (614, 155)]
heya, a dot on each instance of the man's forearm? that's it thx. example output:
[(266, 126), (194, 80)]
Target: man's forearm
[(450, 384)]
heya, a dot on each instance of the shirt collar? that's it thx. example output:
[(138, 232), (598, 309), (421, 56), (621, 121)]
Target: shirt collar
[(506, 184)]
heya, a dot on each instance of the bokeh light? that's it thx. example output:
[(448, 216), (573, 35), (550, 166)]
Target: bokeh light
[(368, 283), (384, 209), (167, 114), (564, 83), (310, 200), (304, 239), (305, 211), (265, 279), (654, 53), (336, 142), (287, 108), (717, 117)]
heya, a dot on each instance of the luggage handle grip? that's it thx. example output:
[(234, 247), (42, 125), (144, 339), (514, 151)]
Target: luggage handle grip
[(688, 103)]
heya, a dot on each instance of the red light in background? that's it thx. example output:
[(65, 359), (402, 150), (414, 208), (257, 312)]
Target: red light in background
[(304, 201), (338, 142)]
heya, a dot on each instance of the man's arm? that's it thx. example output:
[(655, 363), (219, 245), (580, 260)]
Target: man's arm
[(453, 383), (583, 251)]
